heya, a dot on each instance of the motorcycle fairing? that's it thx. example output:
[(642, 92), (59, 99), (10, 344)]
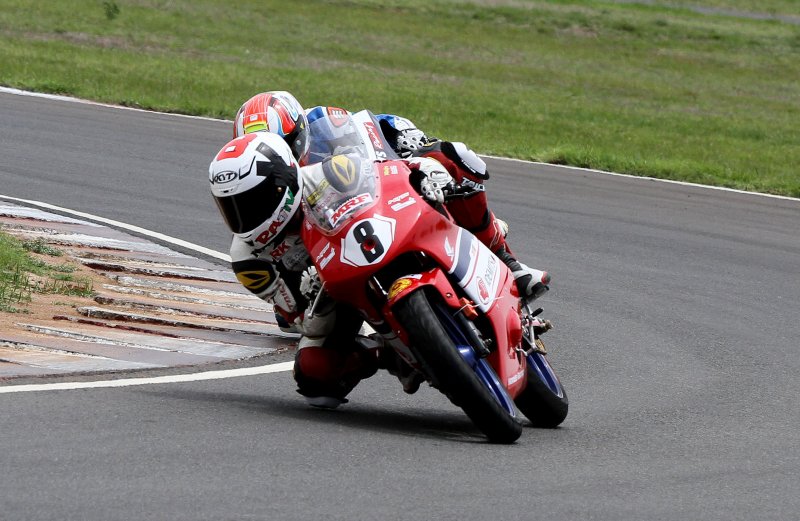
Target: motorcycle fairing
[(476, 269), (410, 283)]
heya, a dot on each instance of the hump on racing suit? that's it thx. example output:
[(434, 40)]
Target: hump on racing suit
[(331, 131), (336, 131)]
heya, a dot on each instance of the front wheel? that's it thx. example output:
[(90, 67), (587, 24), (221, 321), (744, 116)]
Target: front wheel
[(436, 341), (544, 400)]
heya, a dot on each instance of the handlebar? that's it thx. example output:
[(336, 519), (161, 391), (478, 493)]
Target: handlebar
[(454, 191)]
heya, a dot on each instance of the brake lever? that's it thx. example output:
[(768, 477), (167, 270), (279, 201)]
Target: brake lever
[(458, 192)]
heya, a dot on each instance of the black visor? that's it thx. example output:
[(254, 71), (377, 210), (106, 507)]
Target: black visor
[(248, 210)]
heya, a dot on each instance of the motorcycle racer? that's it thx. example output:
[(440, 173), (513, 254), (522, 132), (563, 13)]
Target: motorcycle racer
[(256, 184), (269, 258), (279, 112)]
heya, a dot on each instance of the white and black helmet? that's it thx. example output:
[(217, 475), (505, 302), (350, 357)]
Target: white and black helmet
[(256, 184)]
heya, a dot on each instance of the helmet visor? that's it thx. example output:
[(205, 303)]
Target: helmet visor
[(246, 211)]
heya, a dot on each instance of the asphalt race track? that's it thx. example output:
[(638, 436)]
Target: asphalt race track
[(677, 314)]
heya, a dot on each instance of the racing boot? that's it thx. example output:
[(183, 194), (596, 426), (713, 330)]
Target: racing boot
[(409, 377), (388, 359), (531, 283), (325, 375)]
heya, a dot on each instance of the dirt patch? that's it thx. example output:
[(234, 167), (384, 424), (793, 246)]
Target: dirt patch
[(43, 305)]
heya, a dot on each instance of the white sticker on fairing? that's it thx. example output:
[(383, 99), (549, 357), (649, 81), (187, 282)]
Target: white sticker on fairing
[(516, 378), (475, 268), (325, 256), (404, 204), (368, 240)]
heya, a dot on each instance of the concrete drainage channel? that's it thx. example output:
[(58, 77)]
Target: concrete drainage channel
[(152, 307)]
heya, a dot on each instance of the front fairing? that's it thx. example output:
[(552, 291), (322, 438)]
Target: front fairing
[(350, 241), (336, 190), (356, 243)]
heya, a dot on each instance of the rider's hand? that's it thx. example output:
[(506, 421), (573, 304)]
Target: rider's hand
[(310, 283), (316, 327), (318, 320), (435, 178)]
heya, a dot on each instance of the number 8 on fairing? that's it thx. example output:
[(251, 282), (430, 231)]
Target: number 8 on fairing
[(367, 241), (370, 243)]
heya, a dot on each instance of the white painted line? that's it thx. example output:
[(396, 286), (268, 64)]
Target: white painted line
[(129, 382), (564, 167), (644, 178), (124, 226), (18, 92)]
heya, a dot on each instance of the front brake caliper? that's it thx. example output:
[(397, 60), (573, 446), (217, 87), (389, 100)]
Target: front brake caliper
[(539, 346)]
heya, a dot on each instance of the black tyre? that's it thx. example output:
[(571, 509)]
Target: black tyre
[(544, 400), (438, 354)]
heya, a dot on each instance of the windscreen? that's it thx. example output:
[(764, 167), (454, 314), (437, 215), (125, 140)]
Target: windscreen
[(337, 189)]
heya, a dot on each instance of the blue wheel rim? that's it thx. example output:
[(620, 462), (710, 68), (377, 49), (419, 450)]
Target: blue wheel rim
[(482, 369), (539, 365)]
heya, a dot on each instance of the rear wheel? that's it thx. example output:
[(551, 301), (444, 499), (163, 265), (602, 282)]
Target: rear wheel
[(450, 361)]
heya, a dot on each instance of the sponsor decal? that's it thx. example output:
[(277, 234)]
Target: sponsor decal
[(398, 286), (265, 236), (399, 206), (401, 201), (473, 251), (390, 170), (349, 205), (448, 249), (373, 135), (316, 194), (322, 252), (283, 216), (255, 123), (398, 198), (325, 255), (483, 291), (516, 378), (296, 259), (254, 280), (491, 270), (224, 177), (338, 117), (284, 299), (344, 169), (279, 250), (324, 262)]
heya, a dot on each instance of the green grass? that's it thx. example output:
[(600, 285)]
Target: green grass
[(22, 274), (650, 88)]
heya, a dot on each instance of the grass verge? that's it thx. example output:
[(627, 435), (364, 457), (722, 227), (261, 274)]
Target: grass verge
[(24, 270), (674, 89)]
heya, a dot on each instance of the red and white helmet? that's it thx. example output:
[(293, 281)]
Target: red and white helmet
[(277, 112), (256, 184)]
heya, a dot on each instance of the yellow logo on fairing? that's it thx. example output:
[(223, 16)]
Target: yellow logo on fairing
[(317, 193), (344, 169), (254, 280), (398, 286)]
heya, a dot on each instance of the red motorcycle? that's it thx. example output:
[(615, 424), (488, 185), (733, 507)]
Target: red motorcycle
[(440, 298)]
